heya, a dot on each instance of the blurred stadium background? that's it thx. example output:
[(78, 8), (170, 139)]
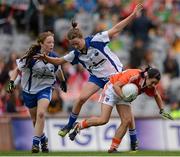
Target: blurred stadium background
[(153, 38)]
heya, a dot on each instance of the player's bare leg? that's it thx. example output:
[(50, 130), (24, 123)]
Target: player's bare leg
[(93, 121), (39, 137), (124, 112), (88, 90), (33, 114)]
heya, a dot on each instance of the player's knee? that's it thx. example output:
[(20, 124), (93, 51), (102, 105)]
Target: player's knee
[(41, 115), (126, 121), (82, 100)]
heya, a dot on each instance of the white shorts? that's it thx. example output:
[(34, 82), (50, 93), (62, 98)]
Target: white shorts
[(109, 97)]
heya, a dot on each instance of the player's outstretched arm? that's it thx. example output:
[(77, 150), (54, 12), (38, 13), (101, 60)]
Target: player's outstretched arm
[(159, 102), (52, 60), (119, 26)]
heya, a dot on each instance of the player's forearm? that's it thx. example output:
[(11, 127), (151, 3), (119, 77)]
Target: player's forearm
[(14, 74), (159, 101), (118, 90), (119, 27)]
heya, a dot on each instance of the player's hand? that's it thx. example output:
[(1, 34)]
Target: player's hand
[(165, 115), (138, 8), (39, 56), (130, 98), (63, 86), (10, 86)]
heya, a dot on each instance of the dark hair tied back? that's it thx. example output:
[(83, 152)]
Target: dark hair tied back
[(151, 72), (154, 73), (145, 71), (147, 68)]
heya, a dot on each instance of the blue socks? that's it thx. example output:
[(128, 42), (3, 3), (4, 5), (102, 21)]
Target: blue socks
[(43, 138), (36, 140), (133, 135), (72, 119)]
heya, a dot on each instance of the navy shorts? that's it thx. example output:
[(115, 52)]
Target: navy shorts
[(98, 81), (31, 100)]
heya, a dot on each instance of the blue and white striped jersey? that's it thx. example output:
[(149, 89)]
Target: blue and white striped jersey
[(38, 76), (99, 60)]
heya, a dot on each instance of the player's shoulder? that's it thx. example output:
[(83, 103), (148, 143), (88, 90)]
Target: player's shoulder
[(20, 61), (53, 54), (135, 71), (74, 52), (132, 71), (99, 35)]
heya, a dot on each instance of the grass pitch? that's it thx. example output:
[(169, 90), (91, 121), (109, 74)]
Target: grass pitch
[(139, 153)]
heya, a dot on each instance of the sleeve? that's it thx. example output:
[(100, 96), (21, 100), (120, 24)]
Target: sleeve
[(69, 57), (125, 79), (128, 76), (72, 57), (20, 64), (101, 37)]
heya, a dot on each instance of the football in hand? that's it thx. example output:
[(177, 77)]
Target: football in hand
[(130, 92)]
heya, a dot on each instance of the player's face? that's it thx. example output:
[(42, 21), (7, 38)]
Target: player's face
[(77, 43), (151, 82), (48, 44)]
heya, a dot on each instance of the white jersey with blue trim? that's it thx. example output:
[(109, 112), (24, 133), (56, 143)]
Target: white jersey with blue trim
[(38, 76), (99, 60)]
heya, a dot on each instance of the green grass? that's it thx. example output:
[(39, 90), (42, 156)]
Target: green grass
[(139, 153)]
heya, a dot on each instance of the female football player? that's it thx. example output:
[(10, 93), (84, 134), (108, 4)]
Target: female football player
[(37, 80), (95, 56), (112, 95)]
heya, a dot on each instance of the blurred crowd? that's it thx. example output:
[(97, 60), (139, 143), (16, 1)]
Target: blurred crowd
[(153, 38)]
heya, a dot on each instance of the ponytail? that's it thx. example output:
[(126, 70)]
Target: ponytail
[(33, 50), (74, 32), (151, 73), (144, 72)]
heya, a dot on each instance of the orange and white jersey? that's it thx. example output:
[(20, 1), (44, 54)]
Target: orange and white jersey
[(109, 96), (133, 76)]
